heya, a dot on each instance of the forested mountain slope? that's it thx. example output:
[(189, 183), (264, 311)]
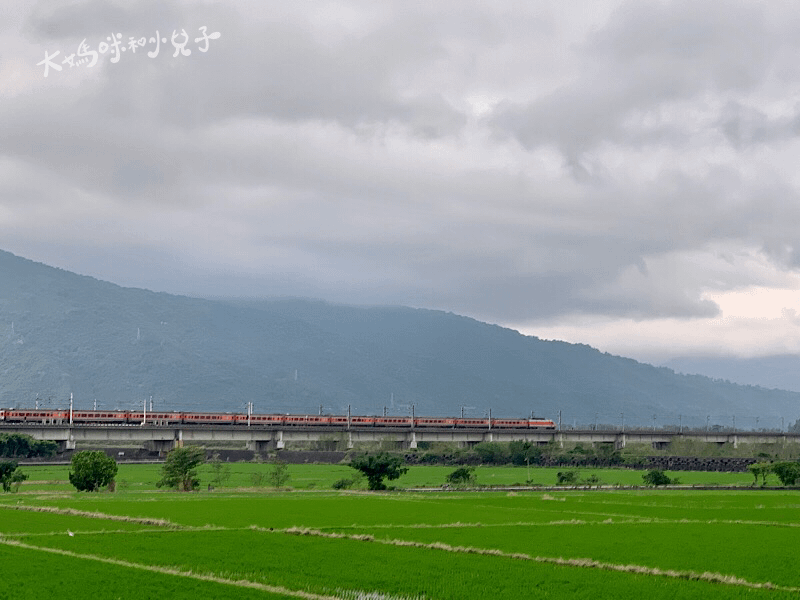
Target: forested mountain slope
[(62, 333)]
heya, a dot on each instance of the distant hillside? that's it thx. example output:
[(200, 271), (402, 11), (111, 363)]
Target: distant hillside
[(62, 333), (780, 371)]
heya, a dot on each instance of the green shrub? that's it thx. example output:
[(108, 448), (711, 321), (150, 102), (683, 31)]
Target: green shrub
[(343, 484), (787, 472), (656, 477), (567, 477), (462, 477)]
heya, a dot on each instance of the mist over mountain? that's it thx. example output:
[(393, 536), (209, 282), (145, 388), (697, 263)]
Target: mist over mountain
[(781, 371), (62, 334)]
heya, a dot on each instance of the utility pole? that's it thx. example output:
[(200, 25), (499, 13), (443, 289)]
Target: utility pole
[(680, 423)]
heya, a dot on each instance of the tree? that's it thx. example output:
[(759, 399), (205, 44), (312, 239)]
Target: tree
[(377, 467), (787, 472), (10, 475), (21, 445), (493, 453), (760, 470), (221, 471), (92, 470), (656, 477), (462, 476), (279, 473), (180, 468)]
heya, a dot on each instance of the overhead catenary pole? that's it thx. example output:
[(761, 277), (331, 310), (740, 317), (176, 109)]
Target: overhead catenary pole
[(144, 411), (70, 408)]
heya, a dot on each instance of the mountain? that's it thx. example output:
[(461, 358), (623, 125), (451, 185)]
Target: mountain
[(62, 334), (781, 371)]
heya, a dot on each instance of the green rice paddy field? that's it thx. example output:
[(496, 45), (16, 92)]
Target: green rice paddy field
[(314, 542)]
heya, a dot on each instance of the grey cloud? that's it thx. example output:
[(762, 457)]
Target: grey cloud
[(349, 167), (745, 125), (56, 21), (649, 54)]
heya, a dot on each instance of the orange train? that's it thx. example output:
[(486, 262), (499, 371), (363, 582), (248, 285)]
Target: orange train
[(127, 417)]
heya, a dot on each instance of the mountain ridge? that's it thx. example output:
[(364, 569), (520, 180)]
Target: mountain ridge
[(63, 333)]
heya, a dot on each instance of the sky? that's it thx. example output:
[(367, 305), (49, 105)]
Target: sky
[(620, 174)]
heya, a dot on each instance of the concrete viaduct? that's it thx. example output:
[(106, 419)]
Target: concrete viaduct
[(262, 439)]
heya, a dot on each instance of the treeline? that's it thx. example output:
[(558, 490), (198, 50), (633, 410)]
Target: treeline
[(787, 472), (14, 445), (521, 453)]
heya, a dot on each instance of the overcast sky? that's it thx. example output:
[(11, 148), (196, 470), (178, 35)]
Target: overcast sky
[(622, 174)]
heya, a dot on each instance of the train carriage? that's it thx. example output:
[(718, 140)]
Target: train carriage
[(123, 417)]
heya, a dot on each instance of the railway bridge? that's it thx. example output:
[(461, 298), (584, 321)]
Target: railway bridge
[(265, 438)]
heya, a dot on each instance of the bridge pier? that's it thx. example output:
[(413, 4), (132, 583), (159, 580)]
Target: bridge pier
[(262, 446), (64, 445), (619, 443), (161, 446)]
